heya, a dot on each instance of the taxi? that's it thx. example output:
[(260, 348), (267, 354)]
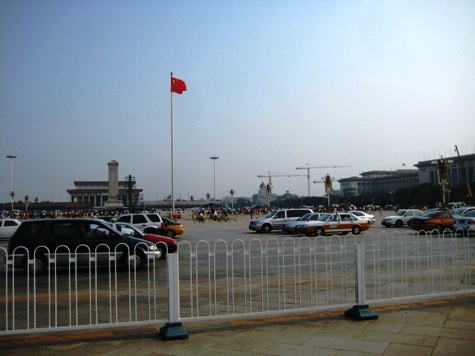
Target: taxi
[(172, 228), (336, 223)]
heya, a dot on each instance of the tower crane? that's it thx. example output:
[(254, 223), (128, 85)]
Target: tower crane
[(278, 175), (308, 173)]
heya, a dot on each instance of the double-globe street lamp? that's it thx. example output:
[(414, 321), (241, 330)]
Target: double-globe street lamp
[(12, 193), (214, 158)]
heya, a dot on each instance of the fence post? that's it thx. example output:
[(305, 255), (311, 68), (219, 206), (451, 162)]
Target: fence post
[(360, 311), (173, 329)]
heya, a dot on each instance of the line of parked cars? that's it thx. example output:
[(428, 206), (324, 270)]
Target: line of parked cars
[(460, 220), (305, 221), (36, 244)]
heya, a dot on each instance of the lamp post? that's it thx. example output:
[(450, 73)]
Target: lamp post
[(214, 158), (12, 193), (443, 175)]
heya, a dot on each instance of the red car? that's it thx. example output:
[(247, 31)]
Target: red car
[(158, 240), (433, 220)]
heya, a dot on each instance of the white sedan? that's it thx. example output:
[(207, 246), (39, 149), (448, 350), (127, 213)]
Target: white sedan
[(361, 214), (8, 228)]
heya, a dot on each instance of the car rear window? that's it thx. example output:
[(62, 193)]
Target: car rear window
[(10, 223), (66, 230), (29, 229), (139, 219), (154, 217), (125, 219), (294, 213)]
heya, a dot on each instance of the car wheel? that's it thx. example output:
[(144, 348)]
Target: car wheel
[(171, 233), (356, 230), (38, 267), (135, 261), (319, 231), (398, 223), (266, 228), (161, 252), (439, 228)]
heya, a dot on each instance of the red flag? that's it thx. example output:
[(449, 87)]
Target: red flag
[(178, 86)]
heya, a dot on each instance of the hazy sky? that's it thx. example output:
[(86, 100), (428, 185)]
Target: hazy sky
[(272, 85)]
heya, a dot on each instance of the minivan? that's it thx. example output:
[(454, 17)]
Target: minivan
[(38, 244), (275, 219)]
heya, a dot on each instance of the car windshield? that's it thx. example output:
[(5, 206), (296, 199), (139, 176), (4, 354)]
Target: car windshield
[(470, 214), (400, 212), (304, 217), (270, 215), (429, 214), (459, 210)]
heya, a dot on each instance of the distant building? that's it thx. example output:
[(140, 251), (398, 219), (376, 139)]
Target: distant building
[(373, 182), (287, 196), (261, 197), (108, 194), (428, 170)]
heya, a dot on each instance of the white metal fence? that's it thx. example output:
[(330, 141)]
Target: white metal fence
[(233, 279)]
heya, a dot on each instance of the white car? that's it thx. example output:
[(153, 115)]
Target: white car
[(362, 214), (465, 223), (8, 228), (401, 217), (150, 223), (291, 227)]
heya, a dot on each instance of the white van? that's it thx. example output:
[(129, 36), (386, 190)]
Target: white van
[(275, 219)]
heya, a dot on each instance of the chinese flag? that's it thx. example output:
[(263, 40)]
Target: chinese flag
[(178, 86)]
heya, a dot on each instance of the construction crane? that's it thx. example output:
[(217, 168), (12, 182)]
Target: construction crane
[(308, 173), (279, 175)]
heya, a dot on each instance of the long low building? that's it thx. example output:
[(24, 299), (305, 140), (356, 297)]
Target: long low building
[(373, 182)]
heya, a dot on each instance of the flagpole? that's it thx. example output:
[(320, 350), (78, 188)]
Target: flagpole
[(172, 149)]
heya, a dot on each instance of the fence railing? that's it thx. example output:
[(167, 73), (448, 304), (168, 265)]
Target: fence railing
[(235, 279)]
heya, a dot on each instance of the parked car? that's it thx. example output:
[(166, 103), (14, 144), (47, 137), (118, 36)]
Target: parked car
[(150, 223), (362, 214), (401, 217), (329, 224), (434, 220), (172, 228), (80, 238), (8, 228), (275, 219), (464, 210), (465, 223), (159, 240), (291, 227)]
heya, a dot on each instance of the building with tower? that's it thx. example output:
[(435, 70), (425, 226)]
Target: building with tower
[(106, 194)]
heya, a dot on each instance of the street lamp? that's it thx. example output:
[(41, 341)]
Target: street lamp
[(443, 175), (214, 158), (12, 193)]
